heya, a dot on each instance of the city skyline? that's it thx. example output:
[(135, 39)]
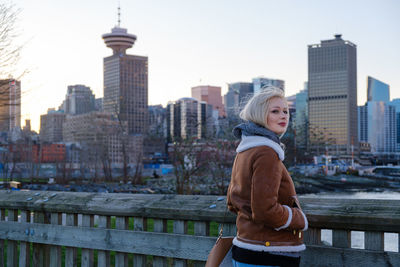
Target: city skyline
[(218, 43)]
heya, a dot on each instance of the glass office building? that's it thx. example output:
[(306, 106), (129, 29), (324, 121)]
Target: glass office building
[(332, 95), (377, 90), (396, 104)]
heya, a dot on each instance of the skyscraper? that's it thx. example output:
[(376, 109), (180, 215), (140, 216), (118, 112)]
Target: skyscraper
[(211, 95), (377, 90), (396, 104), (51, 126), (377, 118), (381, 126), (79, 99), (332, 94), (237, 94), (187, 118), (125, 81), (10, 105)]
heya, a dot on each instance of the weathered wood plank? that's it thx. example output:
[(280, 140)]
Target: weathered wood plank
[(12, 250), (38, 257), (185, 207), (2, 218), (341, 238), (200, 229), (121, 259), (312, 236), (103, 257), (87, 257), (316, 256), (70, 251), (145, 243), (24, 249), (139, 225), (374, 241), (350, 214), (55, 251), (179, 228), (159, 227)]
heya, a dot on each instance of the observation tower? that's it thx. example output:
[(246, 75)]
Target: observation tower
[(119, 39), (125, 80)]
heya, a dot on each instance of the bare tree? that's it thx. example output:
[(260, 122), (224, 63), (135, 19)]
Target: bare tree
[(188, 159), (220, 156), (9, 51), (123, 138), (137, 177)]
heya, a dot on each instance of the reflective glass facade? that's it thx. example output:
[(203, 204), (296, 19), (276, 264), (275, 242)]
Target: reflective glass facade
[(363, 123), (396, 104), (377, 90)]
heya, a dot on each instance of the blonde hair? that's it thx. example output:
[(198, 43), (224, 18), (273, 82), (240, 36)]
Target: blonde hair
[(256, 107)]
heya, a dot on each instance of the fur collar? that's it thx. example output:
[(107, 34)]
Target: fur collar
[(255, 141)]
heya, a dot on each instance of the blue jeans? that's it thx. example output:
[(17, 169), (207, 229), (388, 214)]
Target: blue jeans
[(239, 264)]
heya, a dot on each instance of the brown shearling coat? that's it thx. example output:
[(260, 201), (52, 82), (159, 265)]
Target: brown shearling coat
[(260, 187)]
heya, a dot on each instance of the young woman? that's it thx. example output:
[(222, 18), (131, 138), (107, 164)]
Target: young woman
[(270, 222)]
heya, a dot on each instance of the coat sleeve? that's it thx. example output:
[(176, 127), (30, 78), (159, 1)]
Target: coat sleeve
[(266, 179)]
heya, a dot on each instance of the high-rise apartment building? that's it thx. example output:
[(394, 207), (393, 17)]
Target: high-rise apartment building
[(187, 118), (377, 90), (332, 95), (10, 105), (79, 99), (125, 81), (238, 93), (211, 95), (51, 126), (260, 82)]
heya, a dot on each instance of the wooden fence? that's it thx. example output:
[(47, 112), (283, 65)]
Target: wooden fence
[(103, 229)]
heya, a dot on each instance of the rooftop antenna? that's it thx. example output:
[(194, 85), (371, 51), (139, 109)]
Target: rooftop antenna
[(119, 14)]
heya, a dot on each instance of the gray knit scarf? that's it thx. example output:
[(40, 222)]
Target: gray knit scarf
[(250, 128)]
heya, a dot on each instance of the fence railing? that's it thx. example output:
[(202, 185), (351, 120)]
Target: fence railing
[(104, 229)]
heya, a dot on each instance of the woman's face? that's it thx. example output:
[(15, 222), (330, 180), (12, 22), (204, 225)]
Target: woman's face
[(277, 118)]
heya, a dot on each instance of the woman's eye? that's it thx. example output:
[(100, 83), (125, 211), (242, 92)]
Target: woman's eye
[(275, 111), (285, 111)]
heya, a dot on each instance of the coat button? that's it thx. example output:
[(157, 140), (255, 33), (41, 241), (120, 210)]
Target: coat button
[(299, 234), (294, 232), (267, 244)]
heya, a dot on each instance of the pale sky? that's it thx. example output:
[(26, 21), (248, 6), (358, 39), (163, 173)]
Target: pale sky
[(192, 43)]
